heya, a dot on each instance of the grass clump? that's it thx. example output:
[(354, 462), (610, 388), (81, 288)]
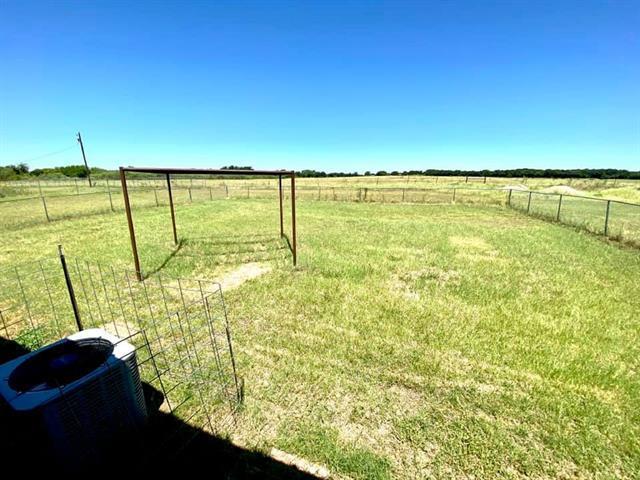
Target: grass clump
[(323, 445)]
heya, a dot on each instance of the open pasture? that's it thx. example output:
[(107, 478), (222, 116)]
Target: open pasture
[(614, 219), (412, 340), (611, 189)]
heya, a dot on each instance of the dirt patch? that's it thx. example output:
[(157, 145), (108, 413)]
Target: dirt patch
[(563, 189), (430, 274), (300, 463), (120, 329), (402, 288), (520, 187), (474, 249), (410, 284), (470, 243), (242, 274)]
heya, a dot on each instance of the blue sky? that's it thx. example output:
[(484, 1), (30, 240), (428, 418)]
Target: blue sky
[(335, 86)]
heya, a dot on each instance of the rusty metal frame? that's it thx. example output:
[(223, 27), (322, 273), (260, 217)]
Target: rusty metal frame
[(204, 171)]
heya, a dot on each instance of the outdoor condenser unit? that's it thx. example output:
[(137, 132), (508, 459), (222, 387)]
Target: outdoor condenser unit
[(79, 395)]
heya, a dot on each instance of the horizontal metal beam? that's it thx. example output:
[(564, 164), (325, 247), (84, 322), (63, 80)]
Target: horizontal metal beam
[(207, 171)]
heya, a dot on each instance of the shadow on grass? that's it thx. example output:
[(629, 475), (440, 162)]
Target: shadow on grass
[(166, 260), (164, 445), (227, 250)]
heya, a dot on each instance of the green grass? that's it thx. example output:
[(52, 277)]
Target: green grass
[(412, 340)]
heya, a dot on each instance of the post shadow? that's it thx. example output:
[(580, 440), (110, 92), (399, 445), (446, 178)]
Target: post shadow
[(224, 251)]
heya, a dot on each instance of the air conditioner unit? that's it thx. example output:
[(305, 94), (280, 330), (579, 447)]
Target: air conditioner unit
[(77, 396)]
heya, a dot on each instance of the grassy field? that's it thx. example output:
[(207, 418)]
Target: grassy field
[(612, 189), (613, 219), (411, 341)]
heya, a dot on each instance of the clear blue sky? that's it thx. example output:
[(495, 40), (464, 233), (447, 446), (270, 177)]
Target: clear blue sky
[(331, 85)]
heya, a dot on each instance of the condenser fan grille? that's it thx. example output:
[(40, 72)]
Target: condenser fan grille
[(60, 365)]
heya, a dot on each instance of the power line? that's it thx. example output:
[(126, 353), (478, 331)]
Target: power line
[(50, 154)]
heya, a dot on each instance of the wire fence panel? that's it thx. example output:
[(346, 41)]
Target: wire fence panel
[(429, 196), (21, 213), (544, 206), (624, 222), (586, 213), (78, 205), (612, 218), (519, 200), (34, 304), (481, 196), (178, 327)]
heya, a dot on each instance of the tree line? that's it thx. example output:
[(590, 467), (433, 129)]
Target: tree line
[(601, 173), (22, 171)]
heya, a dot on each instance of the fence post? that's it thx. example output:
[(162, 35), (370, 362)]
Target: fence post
[(155, 194), (210, 194), (365, 194), (46, 212), (110, 199), (403, 195), (529, 202), (226, 190), (72, 295), (606, 219), (248, 194), (559, 207), (454, 196), (319, 192), (190, 197), (509, 199)]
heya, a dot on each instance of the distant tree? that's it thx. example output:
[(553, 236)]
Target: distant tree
[(21, 168), (235, 167)]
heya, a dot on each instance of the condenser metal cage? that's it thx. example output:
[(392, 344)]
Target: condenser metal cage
[(178, 328), (76, 396)]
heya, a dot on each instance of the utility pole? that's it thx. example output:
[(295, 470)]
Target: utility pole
[(84, 157)]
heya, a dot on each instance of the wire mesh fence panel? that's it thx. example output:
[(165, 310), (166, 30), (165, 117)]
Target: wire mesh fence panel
[(264, 191), (238, 192), (518, 199), (344, 194), (34, 304), (624, 222), (544, 205), (586, 213), (481, 196), (387, 195), (304, 193), (139, 198), (582, 212), (69, 206), (430, 196), (21, 213), (178, 328)]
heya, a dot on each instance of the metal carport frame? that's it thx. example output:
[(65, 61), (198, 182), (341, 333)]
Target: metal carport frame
[(199, 171)]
